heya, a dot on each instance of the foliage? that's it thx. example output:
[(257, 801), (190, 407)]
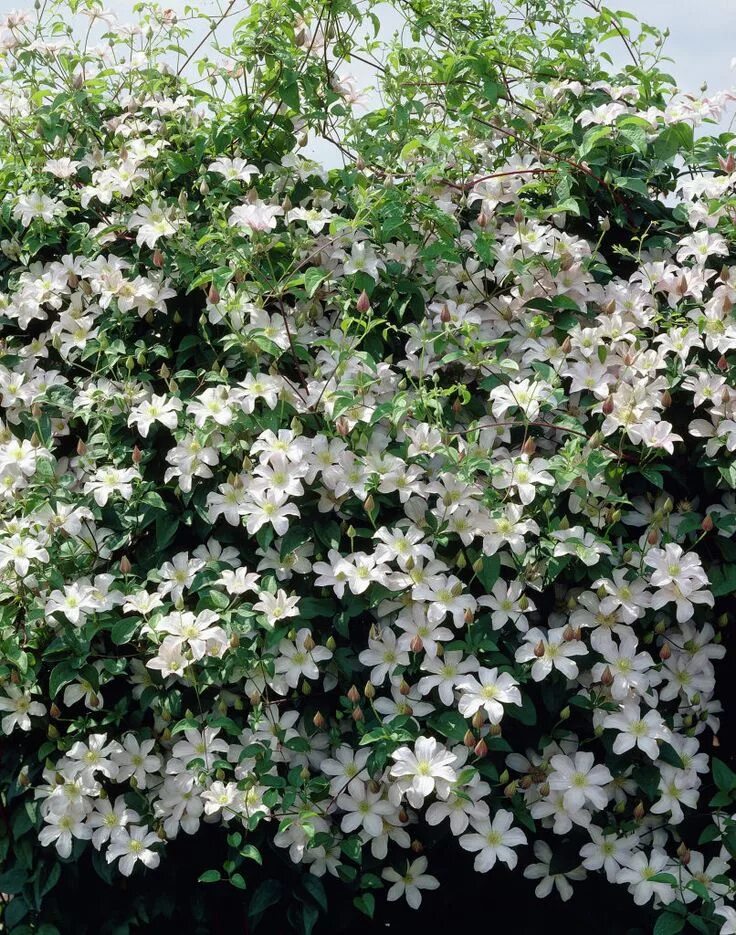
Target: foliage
[(346, 513)]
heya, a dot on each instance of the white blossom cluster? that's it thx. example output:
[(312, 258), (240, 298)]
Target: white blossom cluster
[(342, 573)]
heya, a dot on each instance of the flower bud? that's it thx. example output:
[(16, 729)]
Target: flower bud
[(158, 258), (722, 364), (480, 749), (511, 789), (469, 739), (608, 406), (479, 719), (125, 566), (653, 537), (417, 846), (539, 649), (568, 634), (665, 652), (319, 721), (213, 295), (234, 641), (404, 687), (495, 730), (639, 811), (358, 714), (707, 524), (363, 304), (309, 643), (331, 644), (529, 447), (54, 710), (544, 789), (683, 853), (607, 677), (342, 427)]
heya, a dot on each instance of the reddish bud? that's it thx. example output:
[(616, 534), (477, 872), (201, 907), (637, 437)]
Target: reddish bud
[(158, 259), (665, 652), (722, 363), (363, 304), (707, 524), (125, 566), (353, 694), (137, 455), (481, 748), (607, 407)]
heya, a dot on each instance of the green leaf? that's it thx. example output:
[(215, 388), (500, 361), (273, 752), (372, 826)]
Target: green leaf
[(365, 903), (267, 894), (124, 629), (669, 924), (210, 876), (61, 675), (723, 776), (314, 886)]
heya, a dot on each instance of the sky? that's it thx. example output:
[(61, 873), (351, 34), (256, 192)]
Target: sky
[(702, 41)]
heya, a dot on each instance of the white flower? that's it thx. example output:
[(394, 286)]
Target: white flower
[(300, 658), (410, 883), (494, 841), (131, 845), (489, 691), (279, 606), (426, 769), (21, 709), (547, 879), (550, 651), (635, 730), (153, 223), (157, 409), (364, 809), (638, 870), (580, 780)]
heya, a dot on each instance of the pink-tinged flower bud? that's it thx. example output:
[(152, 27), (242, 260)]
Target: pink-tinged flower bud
[(469, 739), (404, 687), (416, 645), (369, 503), (566, 345), (639, 811), (483, 220), (608, 406), (81, 448), (468, 616), (683, 853), (728, 164), (417, 846), (666, 399), (137, 455), (213, 295), (722, 363), (158, 258), (479, 719), (665, 652), (363, 304), (519, 215), (607, 677), (526, 782), (653, 537), (403, 817), (568, 634), (445, 316), (539, 649), (707, 524), (319, 721), (342, 427), (369, 691), (353, 694), (511, 789), (529, 447), (358, 714), (481, 749), (54, 710), (125, 566), (715, 742)]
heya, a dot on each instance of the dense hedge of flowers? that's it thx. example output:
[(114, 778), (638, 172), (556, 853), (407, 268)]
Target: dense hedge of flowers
[(345, 508)]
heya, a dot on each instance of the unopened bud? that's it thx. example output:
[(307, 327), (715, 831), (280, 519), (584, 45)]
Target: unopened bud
[(639, 811), (511, 789), (722, 364), (331, 644), (363, 304), (544, 789), (479, 719), (469, 739), (417, 846), (665, 652), (358, 714), (342, 427), (125, 566), (529, 447), (608, 406), (416, 645), (54, 710), (707, 524), (319, 721), (404, 687), (369, 691), (607, 677), (481, 748), (213, 295), (158, 258), (495, 730), (539, 649)]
